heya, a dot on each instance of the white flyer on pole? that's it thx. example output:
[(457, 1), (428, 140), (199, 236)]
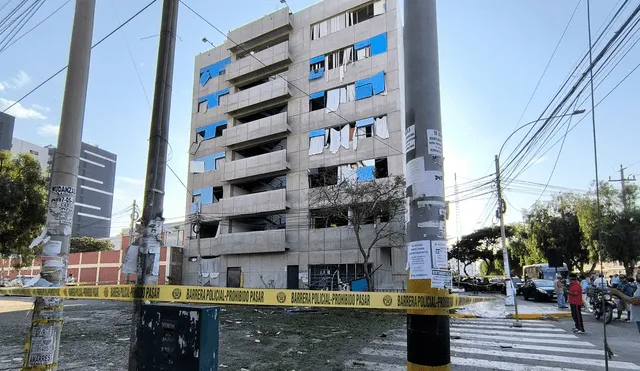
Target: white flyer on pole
[(434, 142), (439, 254), (419, 257), (410, 138), (431, 184), (441, 279)]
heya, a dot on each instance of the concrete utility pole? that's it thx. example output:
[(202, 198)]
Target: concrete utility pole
[(502, 208), (152, 220), (456, 190), (428, 344), (623, 193), (131, 230), (43, 342)]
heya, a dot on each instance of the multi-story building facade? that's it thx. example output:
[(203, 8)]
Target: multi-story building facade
[(40, 153), (285, 99), (94, 192), (6, 131)]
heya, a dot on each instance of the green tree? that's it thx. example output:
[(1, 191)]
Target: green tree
[(89, 244), (482, 244), (22, 205)]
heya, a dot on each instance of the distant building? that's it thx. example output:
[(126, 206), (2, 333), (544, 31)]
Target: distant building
[(19, 146), (6, 131)]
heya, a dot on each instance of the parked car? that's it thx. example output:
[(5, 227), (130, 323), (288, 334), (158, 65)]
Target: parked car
[(539, 290), (497, 285), (517, 284)]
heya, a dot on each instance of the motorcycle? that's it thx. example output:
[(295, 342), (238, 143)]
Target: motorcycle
[(596, 297)]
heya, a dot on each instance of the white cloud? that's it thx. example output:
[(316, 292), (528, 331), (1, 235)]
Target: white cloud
[(40, 108), (48, 130), (2, 87), (129, 180), (20, 111), (18, 81)]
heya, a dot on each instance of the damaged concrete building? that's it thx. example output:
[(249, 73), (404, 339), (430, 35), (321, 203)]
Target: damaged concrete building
[(284, 99)]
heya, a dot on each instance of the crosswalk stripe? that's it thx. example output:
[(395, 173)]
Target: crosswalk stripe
[(500, 327), (563, 342), (546, 357), (510, 322), (516, 333), (458, 361), (507, 366), (509, 335), (504, 345)]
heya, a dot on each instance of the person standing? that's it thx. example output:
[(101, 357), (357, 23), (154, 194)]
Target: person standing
[(575, 302), (615, 280), (559, 288), (584, 283), (634, 301), (625, 287)]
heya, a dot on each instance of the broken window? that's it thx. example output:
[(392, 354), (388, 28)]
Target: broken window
[(211, 131), (317, 101), (261, 149), (324, 176), (381, 168), (324, 218), (263, 80), (262, 114), (217, 194), (209, 229)]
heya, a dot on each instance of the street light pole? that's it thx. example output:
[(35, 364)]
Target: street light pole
[(510, 298)]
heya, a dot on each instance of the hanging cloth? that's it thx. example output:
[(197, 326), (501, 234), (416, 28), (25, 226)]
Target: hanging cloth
[(334, 146), (344, 137), (333, 100), (380, 127), (351, 92), (354, 138), (316, 145)]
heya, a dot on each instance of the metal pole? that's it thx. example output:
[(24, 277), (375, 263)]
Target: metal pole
[(131, 233), (428, 343), (152, 220), (43, 342), (510, 297)]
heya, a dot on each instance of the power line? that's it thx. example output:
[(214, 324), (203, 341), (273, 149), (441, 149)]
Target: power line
[(65, 67)]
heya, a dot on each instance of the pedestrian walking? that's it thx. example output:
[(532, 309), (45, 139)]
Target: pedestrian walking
[(575, 302), (559, 288), (584, 283), (633, 301), (625, 287)]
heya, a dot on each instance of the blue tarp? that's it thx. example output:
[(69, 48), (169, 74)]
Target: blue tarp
[(211, 71), (316, 133), (377, 81), (316, 95), (195, 206), (213, 99), (364, 122), (206, 195), (316, 74), (317, 59), (359, 285), (362, 44), (364, 91), (379, 44), (210, 160), (365, 173), (209, 131)]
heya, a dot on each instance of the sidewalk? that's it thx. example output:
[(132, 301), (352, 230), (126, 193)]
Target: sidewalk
[(498, 309)]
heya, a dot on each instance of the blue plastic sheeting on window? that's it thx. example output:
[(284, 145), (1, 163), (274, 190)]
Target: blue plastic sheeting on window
[(363, 82), (317, 59), (379, 44), (210, 160), (211, 71), (359, 285), (365, 173), (316, 133), (377, 81), (213, 99), (316, 74), (209, 131), (195, 206), (362, 44), (364, 122), (206, 195), (316, 95), (364, 91)]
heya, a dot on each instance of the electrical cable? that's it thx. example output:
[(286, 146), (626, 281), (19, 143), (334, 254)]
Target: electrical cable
[(22, 20), (65, 67), (34, 27)]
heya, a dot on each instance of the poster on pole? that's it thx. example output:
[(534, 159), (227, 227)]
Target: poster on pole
[(439, 254), (419, 258), (409, 138), (434, 142), (441, 279)]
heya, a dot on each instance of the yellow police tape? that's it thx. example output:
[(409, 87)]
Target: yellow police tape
[(273, 297)]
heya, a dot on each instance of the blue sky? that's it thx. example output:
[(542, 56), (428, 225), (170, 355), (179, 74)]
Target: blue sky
[(492, 54)]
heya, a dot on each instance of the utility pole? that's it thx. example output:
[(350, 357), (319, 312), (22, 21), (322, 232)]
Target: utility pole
[(455, 189), (196, 229), (502, 208), (131, 231), (152, 220), (428, 342), (43, 342), (623, 193)]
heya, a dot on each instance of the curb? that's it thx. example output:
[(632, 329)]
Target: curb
[(526, 316)]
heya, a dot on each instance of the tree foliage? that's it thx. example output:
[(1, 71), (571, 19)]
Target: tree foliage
[(22, 205), (380, 203), (483, 245), (89, 244)]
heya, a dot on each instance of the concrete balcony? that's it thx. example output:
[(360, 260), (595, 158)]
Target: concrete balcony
[(258, 98), (273, 163), (259, 242), (343, 238), (255, 204), (261, 64), (255, 132), (213, 178), (266, 30)]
